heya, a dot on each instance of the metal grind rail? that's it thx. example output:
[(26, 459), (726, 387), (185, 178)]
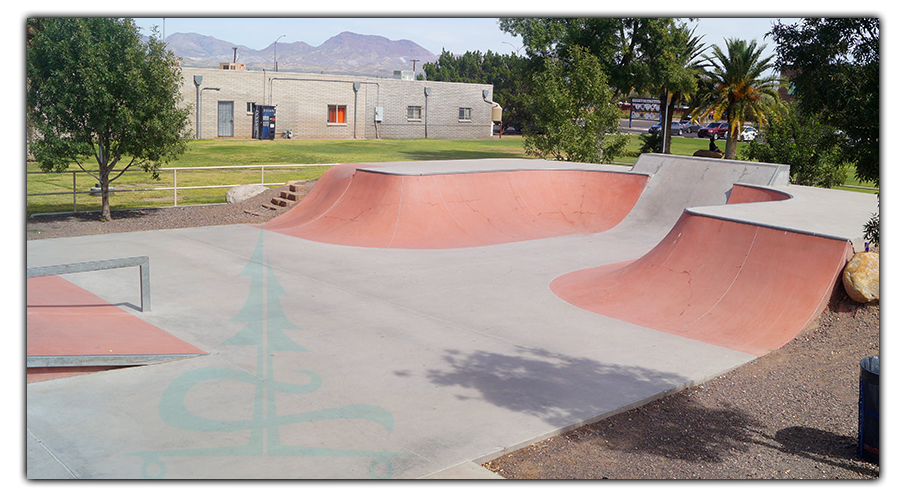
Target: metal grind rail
[(99, 265), (102, 360), (262, 180)]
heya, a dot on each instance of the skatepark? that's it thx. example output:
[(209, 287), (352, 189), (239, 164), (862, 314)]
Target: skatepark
[(413, 320)]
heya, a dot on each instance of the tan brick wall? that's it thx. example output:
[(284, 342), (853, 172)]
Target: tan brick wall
[(302, 101)]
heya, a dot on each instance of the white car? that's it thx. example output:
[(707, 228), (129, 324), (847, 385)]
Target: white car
[(748, 134)]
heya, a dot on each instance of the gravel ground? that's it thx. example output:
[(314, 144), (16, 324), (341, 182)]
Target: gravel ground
[(791, 414)]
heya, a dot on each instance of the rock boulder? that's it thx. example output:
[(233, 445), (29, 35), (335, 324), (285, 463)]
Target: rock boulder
[(238, 194), (861, 277)]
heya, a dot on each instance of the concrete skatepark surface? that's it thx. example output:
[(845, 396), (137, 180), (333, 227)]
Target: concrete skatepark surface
[(341, 353)]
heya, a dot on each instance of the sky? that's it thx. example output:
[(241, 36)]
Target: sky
[(455, 34)]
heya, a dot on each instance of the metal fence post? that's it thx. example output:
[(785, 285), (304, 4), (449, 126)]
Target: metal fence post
[(74, 196), (175, 186)]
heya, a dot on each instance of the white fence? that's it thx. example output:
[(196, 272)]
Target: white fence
[(174, 188)]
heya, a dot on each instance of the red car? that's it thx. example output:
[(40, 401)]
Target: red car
[(714, 130)]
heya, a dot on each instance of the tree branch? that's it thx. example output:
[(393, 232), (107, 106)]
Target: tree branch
[(86, 170), (123, 170)]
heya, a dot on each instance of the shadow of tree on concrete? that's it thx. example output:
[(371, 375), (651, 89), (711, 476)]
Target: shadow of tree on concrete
[(560, 389)]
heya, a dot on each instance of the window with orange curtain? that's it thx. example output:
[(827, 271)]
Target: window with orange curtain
[(337, 113)]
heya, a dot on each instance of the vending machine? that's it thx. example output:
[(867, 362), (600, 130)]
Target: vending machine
[(263, 122)]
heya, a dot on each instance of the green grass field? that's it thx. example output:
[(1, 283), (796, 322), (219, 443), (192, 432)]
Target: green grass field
[(206, 153), (249, 152)]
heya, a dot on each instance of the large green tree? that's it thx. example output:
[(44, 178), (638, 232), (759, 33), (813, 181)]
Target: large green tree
[(506, 72), (96, 90), (621, 45), (743, 85), (574, 114), (834, 70), (649, 56)]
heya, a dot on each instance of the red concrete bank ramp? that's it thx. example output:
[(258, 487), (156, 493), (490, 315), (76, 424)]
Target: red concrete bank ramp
[(65, 320), (362, 207), (741, 286)]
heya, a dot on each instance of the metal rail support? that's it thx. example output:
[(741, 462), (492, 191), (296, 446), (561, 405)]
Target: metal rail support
[(98, 265)]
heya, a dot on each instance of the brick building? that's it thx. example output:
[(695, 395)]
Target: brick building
[(336, 107)]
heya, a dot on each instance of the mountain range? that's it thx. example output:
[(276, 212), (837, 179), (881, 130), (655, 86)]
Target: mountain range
[(346, 54)]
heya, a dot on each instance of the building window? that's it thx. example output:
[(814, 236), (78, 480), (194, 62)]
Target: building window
[(337, 113), (465, 114), (414, 112), (250, 106)]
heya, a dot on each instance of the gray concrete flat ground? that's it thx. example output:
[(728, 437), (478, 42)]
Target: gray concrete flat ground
[(417, 363)]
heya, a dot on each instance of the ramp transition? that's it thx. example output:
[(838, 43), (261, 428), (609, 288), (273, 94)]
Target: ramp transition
[(356, 206), (741, 286)]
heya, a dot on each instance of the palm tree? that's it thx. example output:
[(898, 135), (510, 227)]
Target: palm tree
[(688, 57), (740, 87), (670, 67)]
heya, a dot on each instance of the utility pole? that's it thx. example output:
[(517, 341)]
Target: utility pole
[(414, 64)]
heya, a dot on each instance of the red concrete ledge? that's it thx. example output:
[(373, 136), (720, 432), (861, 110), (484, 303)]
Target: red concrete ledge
[(68, 322)]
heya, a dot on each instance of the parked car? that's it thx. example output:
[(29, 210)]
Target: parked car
[(690, 128), (748, 134), (714, 130), (676, 129)]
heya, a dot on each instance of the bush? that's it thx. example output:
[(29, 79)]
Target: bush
[(651, 143), (872, 229), (574, 118), (805, 143)]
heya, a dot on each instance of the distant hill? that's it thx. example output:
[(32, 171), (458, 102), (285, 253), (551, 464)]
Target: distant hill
[(346, 54)]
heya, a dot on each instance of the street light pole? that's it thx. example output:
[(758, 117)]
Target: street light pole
[(198, 79), (276, 51)]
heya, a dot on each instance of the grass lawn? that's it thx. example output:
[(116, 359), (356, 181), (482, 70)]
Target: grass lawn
[(851, 180), (206, 153)]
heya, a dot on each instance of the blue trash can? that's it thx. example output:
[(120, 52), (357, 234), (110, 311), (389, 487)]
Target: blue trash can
[(868, 409)]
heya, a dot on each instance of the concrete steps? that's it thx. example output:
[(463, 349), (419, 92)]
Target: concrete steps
[(288, 197)]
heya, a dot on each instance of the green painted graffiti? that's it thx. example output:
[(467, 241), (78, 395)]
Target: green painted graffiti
[(265, 325)]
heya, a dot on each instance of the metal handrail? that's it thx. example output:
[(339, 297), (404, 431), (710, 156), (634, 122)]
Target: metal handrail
[(262, 180)]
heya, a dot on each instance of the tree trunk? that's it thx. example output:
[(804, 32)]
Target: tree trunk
[(671, 115), (104, 195), (731, 141), (664, 119)]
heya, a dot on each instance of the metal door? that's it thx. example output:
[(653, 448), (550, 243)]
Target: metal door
[(226, 119)]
